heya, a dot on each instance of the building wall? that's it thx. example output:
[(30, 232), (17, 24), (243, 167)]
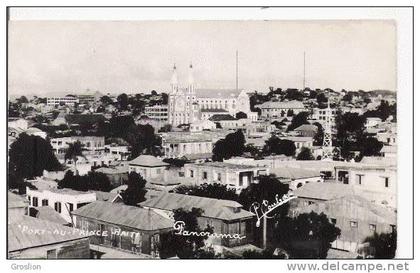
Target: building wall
[(120, 237), (66, 201), (179, 149), (147, 172), (76, 249), (372, 182)]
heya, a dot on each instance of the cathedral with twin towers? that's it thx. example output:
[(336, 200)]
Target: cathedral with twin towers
[(188, 104)]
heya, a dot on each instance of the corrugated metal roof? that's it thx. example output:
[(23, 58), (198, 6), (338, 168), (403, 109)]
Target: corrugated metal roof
[(20, 238), (213, 208), (47, 213), (120, 214), (16, 201), (294, 104), (323, 191)]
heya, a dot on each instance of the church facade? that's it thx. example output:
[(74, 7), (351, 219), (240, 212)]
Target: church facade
[(185, 105)]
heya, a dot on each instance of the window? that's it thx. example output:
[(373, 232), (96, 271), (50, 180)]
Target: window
[(44, 202), (359, 178), (353, 224), (57, 207), (372, 227), (191, 173), (35, 201), (52, 254), (333, 221), (70, 206), (158, 171), (205, 175), (386, 182), (393, 228), (219, 177)]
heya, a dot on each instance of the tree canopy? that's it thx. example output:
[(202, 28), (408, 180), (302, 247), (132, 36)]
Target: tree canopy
[(92, 181), (214, 190), (305, 154), (277, 146), (135, 192), (232, 145), (31, 155), (298, 120), (309, 235)]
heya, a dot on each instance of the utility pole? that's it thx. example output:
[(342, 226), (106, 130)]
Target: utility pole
[(264, 232), (327, 149), (237, 76), (304, 70)]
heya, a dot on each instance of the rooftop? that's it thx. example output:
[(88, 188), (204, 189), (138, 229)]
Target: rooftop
[(225, 165), (221, 117), (307, 127), (128, 216), (47, 213), (148, 161), (213, 208), (218, 93), (214, 110), (323, 191), (16, 201), (18, 239), (281, 104), (294, 173)]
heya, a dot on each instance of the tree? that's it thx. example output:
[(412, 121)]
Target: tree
[(319, 136), (370, 146), (105, 100), (298, 120), (15, 181), (185, 247), (383, 111), (22, 99), (122, 100), (385, 244), (277, 146), (305, 154), (321, 99), (309, 235), (143, 140), (153, 93), (232, 145), (348, 97), (267, 188), (214, 190), (293, 94), (31, 155), (241, 115), (135, 192), (74, 151), (92, 181)]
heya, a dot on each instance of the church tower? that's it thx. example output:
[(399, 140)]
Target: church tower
[(174, 81)]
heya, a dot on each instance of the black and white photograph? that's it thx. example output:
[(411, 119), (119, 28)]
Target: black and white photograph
[(147, 139)]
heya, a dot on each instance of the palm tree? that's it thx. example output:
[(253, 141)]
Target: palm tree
[(73, 151)]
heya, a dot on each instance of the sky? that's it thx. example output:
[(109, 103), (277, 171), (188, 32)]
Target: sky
[(61, 57)]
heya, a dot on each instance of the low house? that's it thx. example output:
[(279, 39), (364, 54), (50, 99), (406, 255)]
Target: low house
[(179, 144), (306, 130), (224, 216), (389, 151), (235, 176), (208, 113), (63, 201), (202, 125), (51, 241), (297, 177), (225, 120), (377, 181), (276, 109), (300, 141), (148, 166), (123, 227), (357, 218), (117, 175)]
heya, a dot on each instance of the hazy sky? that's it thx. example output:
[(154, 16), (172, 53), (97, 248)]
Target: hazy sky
[(137, 56)]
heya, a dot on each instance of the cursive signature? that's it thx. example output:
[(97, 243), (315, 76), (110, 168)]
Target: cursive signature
[(262, 210)]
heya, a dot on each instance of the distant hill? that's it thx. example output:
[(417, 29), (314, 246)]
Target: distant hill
[(383, 92)]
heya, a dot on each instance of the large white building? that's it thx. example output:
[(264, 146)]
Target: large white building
[(185, 104), (67, 100)]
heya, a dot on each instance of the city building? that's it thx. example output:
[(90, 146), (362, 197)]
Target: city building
[(202, 125), (306, 130), (157, 112), (376, 182), (68, 100), (63, 201), (120, 152), (224, 216), (236, 176), (128, 228), (277, 109), (358, 219), (56, 242), (147, 166), (185, 104), (180, 144), (297, 177), (94, 144)]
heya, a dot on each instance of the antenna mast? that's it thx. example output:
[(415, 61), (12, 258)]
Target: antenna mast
[(304, 70), (237, 70)]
